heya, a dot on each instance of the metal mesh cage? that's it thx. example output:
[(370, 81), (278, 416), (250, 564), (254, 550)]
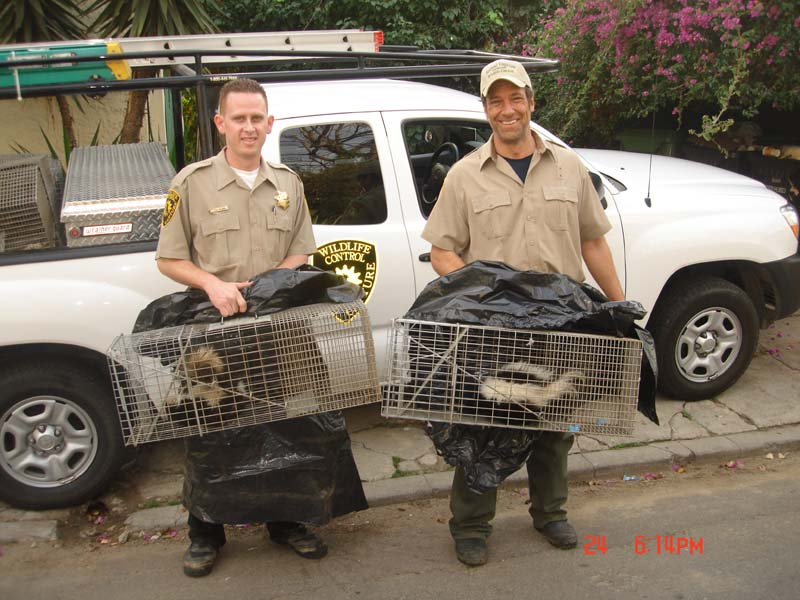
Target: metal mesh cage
[(195, 379), (546, 380), (27, 197)]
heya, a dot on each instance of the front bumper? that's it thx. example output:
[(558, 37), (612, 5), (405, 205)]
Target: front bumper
[(785, 278)]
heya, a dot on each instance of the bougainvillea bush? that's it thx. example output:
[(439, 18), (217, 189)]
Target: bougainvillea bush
[(623, 59)]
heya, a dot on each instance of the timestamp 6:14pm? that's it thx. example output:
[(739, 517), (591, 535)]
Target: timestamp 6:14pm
[(667, 544), (643, 544)]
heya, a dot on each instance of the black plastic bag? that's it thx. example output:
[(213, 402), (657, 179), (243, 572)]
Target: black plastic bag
[(494, 294), (271, 292), (299, 469)]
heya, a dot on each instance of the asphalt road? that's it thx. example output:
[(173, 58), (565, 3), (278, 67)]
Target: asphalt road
[(733, 534)]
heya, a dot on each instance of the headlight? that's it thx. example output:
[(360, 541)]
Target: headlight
[(789, 213)]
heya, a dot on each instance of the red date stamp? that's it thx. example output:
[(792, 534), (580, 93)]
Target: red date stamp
[(643, 544)]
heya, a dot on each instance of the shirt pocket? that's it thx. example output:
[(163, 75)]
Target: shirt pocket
[(560, 206), (217, 242), (492, 212), (279, 218)]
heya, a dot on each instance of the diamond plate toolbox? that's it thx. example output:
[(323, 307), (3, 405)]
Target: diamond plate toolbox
[(115, 193)]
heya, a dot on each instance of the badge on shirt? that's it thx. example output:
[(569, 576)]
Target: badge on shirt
[(170, 208), (282, 200)]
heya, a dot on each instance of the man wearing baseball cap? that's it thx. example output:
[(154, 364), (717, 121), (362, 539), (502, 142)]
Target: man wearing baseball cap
[(527, 202)]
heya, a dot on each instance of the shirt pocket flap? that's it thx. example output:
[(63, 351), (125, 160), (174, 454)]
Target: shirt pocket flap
[(489, 201), (279, 218), (564, 193), (219, 223)]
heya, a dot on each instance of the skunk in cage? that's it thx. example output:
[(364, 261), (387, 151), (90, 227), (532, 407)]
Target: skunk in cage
[(195, 379), (541, 380)]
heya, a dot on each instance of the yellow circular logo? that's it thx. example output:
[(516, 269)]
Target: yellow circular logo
[(355, 260)]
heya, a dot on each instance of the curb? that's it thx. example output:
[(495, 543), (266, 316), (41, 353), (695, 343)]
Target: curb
[(601, 464)]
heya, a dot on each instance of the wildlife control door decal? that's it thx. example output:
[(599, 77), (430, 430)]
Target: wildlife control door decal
[(353, 259)]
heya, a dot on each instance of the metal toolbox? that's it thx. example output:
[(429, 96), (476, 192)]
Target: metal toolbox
[(115, 193)]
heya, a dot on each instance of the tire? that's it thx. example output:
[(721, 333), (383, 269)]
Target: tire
[(706, 332), (60, 439)]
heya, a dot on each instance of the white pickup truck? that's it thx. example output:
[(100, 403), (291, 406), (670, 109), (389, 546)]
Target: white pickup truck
[(710, 254)]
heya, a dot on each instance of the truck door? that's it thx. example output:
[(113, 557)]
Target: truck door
[(429, 142), (351, 190)]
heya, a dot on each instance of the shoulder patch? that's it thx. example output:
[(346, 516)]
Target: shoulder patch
[(170, 208)]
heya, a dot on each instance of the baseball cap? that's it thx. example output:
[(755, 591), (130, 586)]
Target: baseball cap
[(504, 69)]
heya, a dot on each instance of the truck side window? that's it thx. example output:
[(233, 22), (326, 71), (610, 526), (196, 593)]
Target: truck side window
[(339, 166), (433, 147)]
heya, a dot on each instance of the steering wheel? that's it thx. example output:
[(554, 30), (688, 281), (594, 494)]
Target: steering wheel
[(438, 170)]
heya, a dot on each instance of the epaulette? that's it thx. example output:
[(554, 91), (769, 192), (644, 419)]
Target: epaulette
[(282, 166), (191, 168)]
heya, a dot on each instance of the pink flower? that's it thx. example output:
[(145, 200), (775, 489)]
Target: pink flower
[(730, 22), (645, 93)]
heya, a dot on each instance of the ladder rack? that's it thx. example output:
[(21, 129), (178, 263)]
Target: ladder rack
[(283, 56), (97, 67)]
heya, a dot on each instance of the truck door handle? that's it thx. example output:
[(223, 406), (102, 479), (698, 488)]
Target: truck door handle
[(425, 257)]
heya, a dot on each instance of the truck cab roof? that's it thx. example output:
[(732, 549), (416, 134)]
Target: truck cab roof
[(298, 99)]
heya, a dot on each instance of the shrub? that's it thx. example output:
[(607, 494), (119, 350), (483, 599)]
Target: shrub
[(623, 59)]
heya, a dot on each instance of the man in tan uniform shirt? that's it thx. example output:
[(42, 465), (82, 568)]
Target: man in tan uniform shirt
[(227, 219), (529, 203)]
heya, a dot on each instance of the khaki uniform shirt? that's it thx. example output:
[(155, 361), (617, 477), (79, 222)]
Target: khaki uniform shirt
[(484, 211), (214, 220)]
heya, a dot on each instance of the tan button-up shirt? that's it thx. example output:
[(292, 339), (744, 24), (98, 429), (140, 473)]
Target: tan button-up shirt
[(484, 211), (214, 220)]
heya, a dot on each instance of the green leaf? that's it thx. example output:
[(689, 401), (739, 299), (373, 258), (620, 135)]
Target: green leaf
[(95, 136), (53, 152)]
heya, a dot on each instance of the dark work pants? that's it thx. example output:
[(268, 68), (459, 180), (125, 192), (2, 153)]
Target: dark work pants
[(214, 533), (547, 484)]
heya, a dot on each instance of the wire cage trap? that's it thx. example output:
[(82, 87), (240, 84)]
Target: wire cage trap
[(543, 380), (195, 379)]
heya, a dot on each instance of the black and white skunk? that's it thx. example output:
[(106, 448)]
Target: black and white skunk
[(529, 384)]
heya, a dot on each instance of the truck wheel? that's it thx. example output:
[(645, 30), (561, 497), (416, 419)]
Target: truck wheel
[(60, 439), (706, 332)]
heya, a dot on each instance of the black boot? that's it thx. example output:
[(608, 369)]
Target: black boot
[(199, 559)]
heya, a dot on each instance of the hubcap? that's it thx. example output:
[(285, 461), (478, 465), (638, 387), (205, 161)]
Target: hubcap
[(709, 344), (46, 441)]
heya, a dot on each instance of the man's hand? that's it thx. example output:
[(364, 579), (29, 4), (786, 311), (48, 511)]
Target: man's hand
[(225, 296)]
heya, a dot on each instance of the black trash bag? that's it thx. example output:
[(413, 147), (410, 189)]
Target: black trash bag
[(487, 454), (299, 469), (271, 292), (494, 294)]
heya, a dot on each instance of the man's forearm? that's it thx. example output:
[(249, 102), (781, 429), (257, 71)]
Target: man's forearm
[(597, 256), (185, 272), (445, 261), (293, 261)]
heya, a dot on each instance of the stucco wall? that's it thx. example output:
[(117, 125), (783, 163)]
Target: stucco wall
[(22, 120)]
